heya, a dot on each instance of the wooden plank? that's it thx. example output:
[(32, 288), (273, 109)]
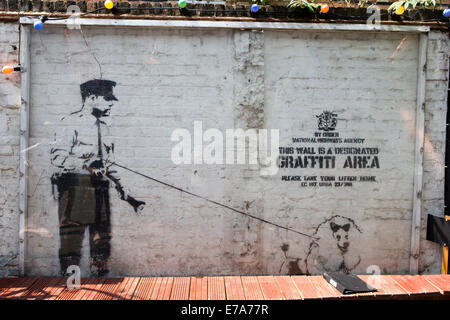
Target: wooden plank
[(180, 288), (17, 288), (119, 289), (6, 283), (168, 288), (442, 282), (165, 288), (216, 288), (20, 287), (93, 286), (199, 288), (51, 288), (23, 292), (385, 286), (306, 288), (228, 288), (39, 289), (288, 288), (108, 289), (156, 289), (269, 288), (233, 288), (86, 287), (324, 289), (113, 292), (77, 294), (238, 288), (122, 289), (101, 294), (66, 293), (120, 283), (444, 268), (444, 260), (252, 290), (415, 285), (128, 290), (145, 289), (205, 288), (56, 289)]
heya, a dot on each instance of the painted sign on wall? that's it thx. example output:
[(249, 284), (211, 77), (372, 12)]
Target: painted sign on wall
[(340, 152)]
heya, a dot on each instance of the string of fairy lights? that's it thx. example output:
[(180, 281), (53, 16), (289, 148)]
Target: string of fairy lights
[(109, 5)]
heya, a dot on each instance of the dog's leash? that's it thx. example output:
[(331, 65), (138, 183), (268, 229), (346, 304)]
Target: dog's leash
[(215, 202)]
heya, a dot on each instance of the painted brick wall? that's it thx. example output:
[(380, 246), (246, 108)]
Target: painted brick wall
[(9, 151), (230, 79), (369, 81), (434, 146)]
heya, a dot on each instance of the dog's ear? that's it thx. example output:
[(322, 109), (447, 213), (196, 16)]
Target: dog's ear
[(334, 226), (346, 227)]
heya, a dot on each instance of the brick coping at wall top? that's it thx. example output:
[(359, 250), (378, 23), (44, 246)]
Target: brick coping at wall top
[(11, 10)]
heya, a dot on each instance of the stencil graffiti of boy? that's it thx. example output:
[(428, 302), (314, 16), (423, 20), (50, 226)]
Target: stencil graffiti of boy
[(84, 160)]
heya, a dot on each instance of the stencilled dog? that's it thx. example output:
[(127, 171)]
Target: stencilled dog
[(333, 252)]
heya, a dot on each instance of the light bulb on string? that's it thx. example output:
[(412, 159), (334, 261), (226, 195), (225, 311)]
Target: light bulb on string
[(39, 25), (446, 13), (109, 4), (254, 8), (400, 10), (324, 8), (182, 4), (9, 69)]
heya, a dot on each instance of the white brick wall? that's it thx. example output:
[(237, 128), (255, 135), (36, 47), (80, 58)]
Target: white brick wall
[(9, 151), (434, 147), (372, 90), (230, 79)]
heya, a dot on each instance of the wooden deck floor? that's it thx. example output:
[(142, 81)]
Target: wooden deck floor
[(219, 288)]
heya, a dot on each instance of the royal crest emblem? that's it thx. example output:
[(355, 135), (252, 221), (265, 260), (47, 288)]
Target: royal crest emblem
[(327, 121)]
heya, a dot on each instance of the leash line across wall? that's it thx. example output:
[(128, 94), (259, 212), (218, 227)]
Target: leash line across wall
[(215, 202)]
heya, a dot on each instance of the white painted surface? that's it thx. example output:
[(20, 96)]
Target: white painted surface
[(372, 88), (173, 77), (437, 73), (9, 151), (234, 25), (24, 135), (418, 164)]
